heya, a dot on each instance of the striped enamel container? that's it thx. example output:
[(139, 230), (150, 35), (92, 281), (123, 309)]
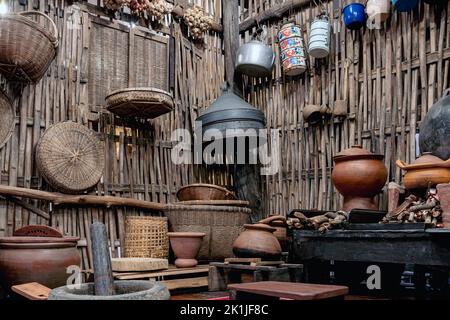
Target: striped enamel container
[(319, 39), (293, 55)]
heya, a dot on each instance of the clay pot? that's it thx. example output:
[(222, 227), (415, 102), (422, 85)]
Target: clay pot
[(202, 191), (186, 246), (427, 170), (37, 258), (279, 223), (257, 241), (359, 176)]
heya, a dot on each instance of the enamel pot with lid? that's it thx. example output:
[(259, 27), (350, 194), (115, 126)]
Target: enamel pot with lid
[(255, 58), (427, 171), (37, 254), (359, 176)]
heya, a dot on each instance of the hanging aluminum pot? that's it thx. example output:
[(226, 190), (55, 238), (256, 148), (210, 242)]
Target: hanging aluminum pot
[(255, 58), (434, 133)]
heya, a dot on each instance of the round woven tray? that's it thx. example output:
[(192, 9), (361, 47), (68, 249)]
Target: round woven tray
[(6, 120), (27, 48), (147, 103), (70, 157)]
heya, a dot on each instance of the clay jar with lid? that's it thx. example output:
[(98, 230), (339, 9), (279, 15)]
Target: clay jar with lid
[(257, 241), (359, 176), (426, 171), (37, 254)]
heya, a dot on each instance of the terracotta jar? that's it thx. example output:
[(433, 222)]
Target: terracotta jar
[(359, 176), (257, 241), (279, 223), (186, 246), (37, 254), (427, 170)]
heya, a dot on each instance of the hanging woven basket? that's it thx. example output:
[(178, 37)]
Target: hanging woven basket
[(7, 119), (147, 103), (70, 157), (27, 47)]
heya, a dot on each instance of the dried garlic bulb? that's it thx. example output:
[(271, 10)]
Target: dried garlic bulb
[(115, 5), (159, 8), (138, 6), (197, 22)]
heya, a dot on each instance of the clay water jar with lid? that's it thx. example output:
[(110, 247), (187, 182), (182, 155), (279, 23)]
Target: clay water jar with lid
[(37, 254), (257, 241), (186, 246), (426, 171), (359, 176)]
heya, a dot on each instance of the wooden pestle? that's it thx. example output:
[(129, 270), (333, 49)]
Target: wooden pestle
[(103, 277)]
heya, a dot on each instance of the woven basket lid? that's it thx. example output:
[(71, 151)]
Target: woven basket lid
[(7, 119), (70, 157)]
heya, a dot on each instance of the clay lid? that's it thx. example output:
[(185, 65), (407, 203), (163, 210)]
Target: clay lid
[(357, 152), (38, 239), (186, 234), (260, 226), (428, 157)]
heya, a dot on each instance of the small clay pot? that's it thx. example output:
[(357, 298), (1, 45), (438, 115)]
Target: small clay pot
[(257, 241), (186, 246), (427, 170), (359, 176)]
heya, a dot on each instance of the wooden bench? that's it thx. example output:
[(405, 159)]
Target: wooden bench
[(274, 290)]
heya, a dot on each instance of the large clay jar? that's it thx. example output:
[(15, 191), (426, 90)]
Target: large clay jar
[(359, 176), (37, 254), (257, 241), (186, 246), (426, 171)]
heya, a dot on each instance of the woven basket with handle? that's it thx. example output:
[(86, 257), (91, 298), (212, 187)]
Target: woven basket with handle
[(6, 119), (146, 237), (70, 157), (27, 47)]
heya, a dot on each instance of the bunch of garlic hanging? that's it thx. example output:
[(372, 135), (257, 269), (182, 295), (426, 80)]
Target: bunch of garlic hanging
[(159, 8), (197, 22), (115, 5), (138, 6)]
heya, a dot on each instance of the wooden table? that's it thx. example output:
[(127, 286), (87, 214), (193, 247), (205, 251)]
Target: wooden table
[(274, 290)]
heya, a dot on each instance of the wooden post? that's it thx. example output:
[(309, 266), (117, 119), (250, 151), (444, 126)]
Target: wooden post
[(103, 277), (247, 178)]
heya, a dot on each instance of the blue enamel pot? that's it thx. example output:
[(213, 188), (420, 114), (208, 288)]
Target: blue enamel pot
[(404, 5), (354, 15)]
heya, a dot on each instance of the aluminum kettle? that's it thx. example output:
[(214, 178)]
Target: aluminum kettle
[(255, 58)]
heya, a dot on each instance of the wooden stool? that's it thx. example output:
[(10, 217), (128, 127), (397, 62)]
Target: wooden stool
[(274, 290), (32, 291)]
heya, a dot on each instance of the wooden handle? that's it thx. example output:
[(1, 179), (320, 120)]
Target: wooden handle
[(401, 164)]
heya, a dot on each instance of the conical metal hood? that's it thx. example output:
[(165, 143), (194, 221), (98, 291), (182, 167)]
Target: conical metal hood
[(230, 112)]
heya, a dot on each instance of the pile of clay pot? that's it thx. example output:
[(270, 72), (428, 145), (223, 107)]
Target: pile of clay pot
[(415, 210), (322, 223)]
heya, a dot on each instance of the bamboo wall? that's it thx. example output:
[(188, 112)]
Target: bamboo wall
[(393, 77), (96, 55)]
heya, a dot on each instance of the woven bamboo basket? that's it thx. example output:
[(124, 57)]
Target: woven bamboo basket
[(7, 122), (70, 157), (222, 225), (147, 103), (27, 48), (146, 237)]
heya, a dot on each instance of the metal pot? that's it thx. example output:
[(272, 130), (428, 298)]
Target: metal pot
[(434, 134), (255, 59)]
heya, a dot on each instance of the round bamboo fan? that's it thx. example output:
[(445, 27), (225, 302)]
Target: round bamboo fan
[(70, 157), (147, 103), (7, 119)]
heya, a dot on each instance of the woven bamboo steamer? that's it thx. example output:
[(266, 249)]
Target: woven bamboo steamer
[(70, 157), (27, 48), (7, 121)]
